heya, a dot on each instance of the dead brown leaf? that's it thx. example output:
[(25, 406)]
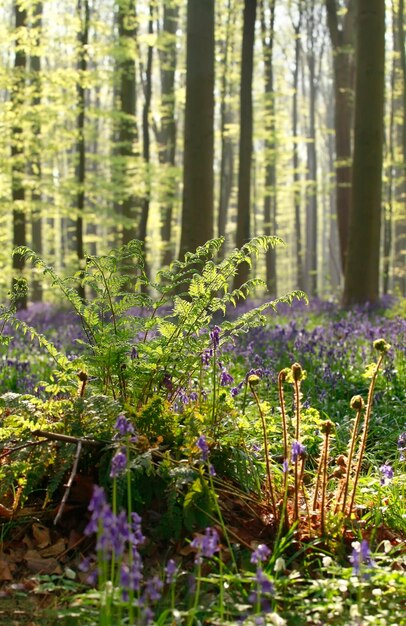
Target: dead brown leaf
[(5, 573), (41, 534), (55, 549)]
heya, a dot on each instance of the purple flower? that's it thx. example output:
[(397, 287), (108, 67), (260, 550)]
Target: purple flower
[(134, 353), (298, 450), (261, 553), (254, 372), (170, 571), (204, 448), (206, 545), (361, 555), (215, 336), (123, 426), (402, 446), (285, 466), (225, 378), (212, 471), (118, 464), (153, 589), (387, 473), (207, 356), (264, 584)]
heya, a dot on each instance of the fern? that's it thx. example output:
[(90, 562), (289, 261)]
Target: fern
[(167, 335)]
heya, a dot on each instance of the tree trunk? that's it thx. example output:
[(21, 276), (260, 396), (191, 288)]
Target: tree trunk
[(311, 256), (167, 132), (341, 35), (125, 150), (17, 154), (80, 170), (295, 158), (197, 213), (226, 143), (35, 163), (362, 270), (146, 151), (400, 224), (270, 200), (245, 148)]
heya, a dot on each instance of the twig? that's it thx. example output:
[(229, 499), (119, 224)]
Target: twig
[(68, 438), (23, 445), (69, 483)]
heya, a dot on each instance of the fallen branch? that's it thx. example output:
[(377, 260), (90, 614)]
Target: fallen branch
[(69, 439)]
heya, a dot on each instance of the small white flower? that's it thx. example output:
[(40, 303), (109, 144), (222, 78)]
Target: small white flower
[(327, 561), (275, 619), (387, 546), (354, 611), (356, 545), (280, 565), (377, 592)]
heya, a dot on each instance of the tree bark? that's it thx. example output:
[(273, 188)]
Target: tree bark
[(311, 257), (270, 200), (35, 164), (197, 213), (80, 170), (226, 143), (166, 134), (17, 153), (362, 270), (245, 146), (125, 149), (400, 223), (295, 156), (341, 35)]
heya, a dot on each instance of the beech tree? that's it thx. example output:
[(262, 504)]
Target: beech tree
[(245, 146), (197, 212), (18, 96), (340, 21), (362, 269)]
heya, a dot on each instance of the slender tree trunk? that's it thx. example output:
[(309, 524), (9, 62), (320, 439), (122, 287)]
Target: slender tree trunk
[(146, 149), (83, 38), (17, 152), (226, 143), (341, 35), (400, 224), (126, 150), (270, 200), (295, 157), (388, 205), (167, 133), (35, 164), (245, 148), (362, 270), (311, 256), (197, 213)]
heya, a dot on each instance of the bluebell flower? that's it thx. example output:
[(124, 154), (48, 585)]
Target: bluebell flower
[(215, 336), (204, 448), (118, 464), (123, 425), (206, 545), (207, 356), (170, 571), (225, 378), (361, 555), (260, 554), (387, 473), (298, 450)]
